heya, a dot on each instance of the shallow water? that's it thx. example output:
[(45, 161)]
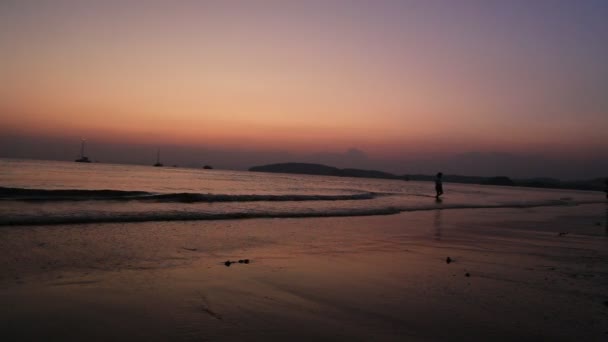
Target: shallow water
[(51, 192)]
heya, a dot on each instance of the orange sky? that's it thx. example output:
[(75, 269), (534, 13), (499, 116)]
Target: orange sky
[(389, 78)]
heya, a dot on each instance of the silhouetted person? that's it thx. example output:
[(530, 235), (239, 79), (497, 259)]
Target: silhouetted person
[(438, 185)]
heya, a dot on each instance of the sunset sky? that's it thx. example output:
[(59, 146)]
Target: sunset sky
[(394, 79)]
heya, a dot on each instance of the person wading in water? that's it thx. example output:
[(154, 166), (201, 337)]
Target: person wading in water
[(438, 185)]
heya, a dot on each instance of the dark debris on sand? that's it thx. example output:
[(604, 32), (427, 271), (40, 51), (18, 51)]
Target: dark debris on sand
[(241, 261)]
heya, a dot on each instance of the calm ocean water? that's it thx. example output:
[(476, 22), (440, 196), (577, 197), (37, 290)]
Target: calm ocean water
[(51, 192)]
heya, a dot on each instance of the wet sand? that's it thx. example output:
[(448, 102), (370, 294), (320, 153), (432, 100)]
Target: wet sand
[(516, 274)]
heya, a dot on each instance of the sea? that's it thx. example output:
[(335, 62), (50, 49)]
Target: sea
[(35, 192)]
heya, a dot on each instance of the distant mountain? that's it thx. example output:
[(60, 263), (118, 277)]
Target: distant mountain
[(498, 180), (550, 183), (324, 170)]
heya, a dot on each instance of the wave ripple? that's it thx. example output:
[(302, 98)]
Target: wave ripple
[(44, 195)]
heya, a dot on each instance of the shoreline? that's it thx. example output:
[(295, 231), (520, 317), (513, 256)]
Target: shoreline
[(202, 217), (338, 278)]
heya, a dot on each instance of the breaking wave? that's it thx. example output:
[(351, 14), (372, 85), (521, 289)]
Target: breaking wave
[(43, 195), (181, 216), (153, 216)]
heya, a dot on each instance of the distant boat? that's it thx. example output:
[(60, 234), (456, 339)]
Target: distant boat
[(158, 163), (83, 158), (208, 167)]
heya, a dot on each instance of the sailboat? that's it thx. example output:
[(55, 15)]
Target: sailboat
[(83, 158), (158, 163)]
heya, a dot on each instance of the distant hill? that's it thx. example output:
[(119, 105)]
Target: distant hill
[(324, 170), (498, 180)]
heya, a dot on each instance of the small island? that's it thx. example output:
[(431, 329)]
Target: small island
[(323, 170)]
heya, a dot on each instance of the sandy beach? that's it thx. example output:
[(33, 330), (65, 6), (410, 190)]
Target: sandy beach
[(515, 274), (279, 170)]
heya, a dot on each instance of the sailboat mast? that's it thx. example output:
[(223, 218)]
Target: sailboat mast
[(83, 158), (158, 163)]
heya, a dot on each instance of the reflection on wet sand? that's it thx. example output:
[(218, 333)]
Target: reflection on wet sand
[(437, 224), (606, 220)]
